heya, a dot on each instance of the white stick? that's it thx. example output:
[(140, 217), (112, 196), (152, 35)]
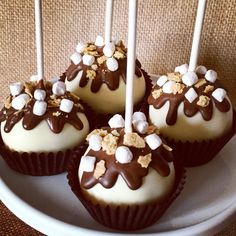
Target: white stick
[(133, 5), (108, 20), (197, 35), (39, 39)]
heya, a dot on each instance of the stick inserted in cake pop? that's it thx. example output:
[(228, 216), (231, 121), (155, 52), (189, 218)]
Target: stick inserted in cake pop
[(197, 35), (108, 21), (39, 39), (132, 28)]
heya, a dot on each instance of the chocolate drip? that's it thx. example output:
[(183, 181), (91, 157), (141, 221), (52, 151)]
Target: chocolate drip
[(190, 109), (55, 118), (103, 75), (132, 172)]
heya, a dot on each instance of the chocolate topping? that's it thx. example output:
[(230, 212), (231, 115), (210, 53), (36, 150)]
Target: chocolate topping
[(132, 172), (190, 109), (103, 75), (54, 117)]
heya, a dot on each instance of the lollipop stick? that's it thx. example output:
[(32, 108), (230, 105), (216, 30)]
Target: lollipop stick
[(39, 39), (108, 20), (197, 34), (132, 27)]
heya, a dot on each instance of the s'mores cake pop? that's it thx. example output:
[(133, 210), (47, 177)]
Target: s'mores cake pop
[(191, 108), (126, 179)]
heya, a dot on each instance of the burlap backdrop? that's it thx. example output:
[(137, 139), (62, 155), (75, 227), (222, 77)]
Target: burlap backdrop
[(164, 35)]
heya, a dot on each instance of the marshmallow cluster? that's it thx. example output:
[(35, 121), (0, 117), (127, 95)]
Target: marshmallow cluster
[(153, 141), (66, 105), (191, 95), (182, 69), (76, 58), (116, 121), (140, 123), (95, 142), (87, 163), (219, 94), (123, 155), (59, 88), (16, 88), (39, 108), (190, 78), (20, 101)]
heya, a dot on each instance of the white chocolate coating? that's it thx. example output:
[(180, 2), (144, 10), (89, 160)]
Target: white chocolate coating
[(106, 100), (193, 128), (42, 139), (154, 188)]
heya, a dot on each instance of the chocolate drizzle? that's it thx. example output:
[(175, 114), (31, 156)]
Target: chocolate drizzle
[(103, 75), (190, 109), (132, 172), (55, 118)]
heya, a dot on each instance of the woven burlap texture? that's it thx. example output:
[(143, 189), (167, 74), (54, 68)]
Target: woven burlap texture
[(163, 40)]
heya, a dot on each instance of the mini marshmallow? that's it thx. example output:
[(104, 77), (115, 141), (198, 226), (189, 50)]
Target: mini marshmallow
[(219, 94), (137, 116), (112, 64), (39, 94), (20, 101), (182, 69), (141, 126), (201, 70), (191, 95), (167, 87), (123, 155), (153, 141), (95, 142), (39, 108), (66, 105), (87, 163), (88, 60), (109, 49), (162, 80), (76, 58), (190, 78), (59, 88), (99, 41), (80, 47), (16, 88), (54, 79), (116, 121), (211, 76), (34, 78)]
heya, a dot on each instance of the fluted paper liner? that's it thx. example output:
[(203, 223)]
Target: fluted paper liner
[(198, 153), (130, 217)]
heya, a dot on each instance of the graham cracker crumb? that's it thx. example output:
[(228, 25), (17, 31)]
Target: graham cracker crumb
[(144, 161), (100, 132), (208, 88), (168, 148), (91, 74), (203, 101), (7, 103), (175, 76), (92, 53), (109, 144), (177, 88), (115, 133), (94, 66), (100, 169), (134, 140), (157, 93), (29, 89), (153, 129), (200, 82), (101, 59), (57, 113), (54, 102), (118, 55)]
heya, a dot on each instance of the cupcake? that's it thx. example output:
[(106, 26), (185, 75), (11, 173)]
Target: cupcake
[(193, 112), (97, 74), (40, 125), (126, 181)]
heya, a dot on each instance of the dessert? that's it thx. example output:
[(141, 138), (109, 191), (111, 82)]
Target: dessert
[(97, 74), (193, 110), (40, 125), (123, 177)]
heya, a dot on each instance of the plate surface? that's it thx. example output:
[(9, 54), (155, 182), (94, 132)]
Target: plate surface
[(206, 204)]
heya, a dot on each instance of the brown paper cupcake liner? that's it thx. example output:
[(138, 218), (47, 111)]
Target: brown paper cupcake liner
[(36, 164), (102, 119), (132, 217), (198, 153)]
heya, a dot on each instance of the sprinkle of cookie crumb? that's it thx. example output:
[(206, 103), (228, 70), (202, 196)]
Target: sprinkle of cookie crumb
[(203, 101), (134, 140), (100, 169), (144, 161)]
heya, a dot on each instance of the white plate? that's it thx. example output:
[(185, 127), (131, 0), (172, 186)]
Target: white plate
[(206, 204)]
